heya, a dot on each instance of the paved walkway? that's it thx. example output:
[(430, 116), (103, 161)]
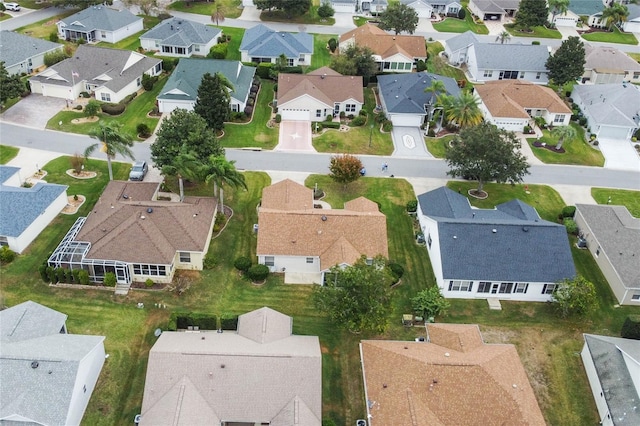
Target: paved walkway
[(29, 160)]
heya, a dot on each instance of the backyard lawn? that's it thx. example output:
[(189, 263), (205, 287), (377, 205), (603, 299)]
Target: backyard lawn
[(437, 65), (321, 54), (311, 17), (540, 32), (230, 8), (629, 199), (611, 37), (577, 150), (7, 153), (437, 146), (42, 29), (233, 49), (455, 25)]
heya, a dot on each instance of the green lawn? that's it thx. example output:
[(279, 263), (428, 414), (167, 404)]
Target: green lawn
[(255, 133), (321, 54), (540, 32), (437, 65), (635, 56), (310, 17), (231, 8), (611, 37), (233, 50), (356, 140), (5, 16), (361, 20), (42, 29), (135, 114), (578, 151), (133, 42), (455, 25), (629, 199), (7, 153), (437, 146)]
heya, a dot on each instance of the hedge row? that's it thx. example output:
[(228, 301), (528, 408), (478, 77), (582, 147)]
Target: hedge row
[(184, 320)]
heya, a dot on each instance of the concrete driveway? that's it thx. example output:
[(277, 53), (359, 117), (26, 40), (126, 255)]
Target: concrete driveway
[(409, 142), (34, 111), (344, 20), (295, 136), (619, 154)]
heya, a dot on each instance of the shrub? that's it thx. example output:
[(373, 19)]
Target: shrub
[(325, 11), (110, 279), (77, 161), (329, 125), (143, 130), (219, 51), (54, 57), (68, 275), (571, 226), (264, 69), (431, 133), (582, 120), (568, 211), (248, 110), (113, 109), (242, 264), (148, 282), (526, 129), (6, 255), (78, 107), (328, 118), (51, 274), (83, 277), (85, 95), (258, 272), (278, 118), (61, 275), (203, 321), (229, 322), (363, 113), (148, 82), (81, 41), (209, 262), (333, 44), (396, 269), (76, 275), (358, 121), (462, 13), (380, 118), (168, 64), (92, 108), (251, 101), (387, 126), (412, 206), (342, 114), (631, 327), (127, 100), (535, 43), (421, 65), (220, 220), (42, 270), (163, 15)]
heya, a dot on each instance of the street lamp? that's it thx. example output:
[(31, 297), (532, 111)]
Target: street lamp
[(370, 134)]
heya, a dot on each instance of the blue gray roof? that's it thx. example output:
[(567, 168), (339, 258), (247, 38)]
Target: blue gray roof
[(634, 11), (16, 48), (520, 57), (39, 364), (6, 172), (497, 245), (264, 42), (461, 41), (615, 376), (586, 7), (188, 75), (404, 93), (19, 206), (610, 104), (180, 32), (100, 18)]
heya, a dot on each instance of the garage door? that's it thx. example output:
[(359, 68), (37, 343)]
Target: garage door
[(611, 132), (295, 114), (406, 120), (169, 106), (344, 8), (565, 22), (423, 12)]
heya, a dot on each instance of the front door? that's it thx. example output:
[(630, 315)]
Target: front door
[(336, 109)]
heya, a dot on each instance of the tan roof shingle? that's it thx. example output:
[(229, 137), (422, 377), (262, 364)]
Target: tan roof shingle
[(510, 98), (383, 44), (326, 87)]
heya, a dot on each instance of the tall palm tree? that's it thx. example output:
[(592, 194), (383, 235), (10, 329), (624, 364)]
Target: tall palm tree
[(218, 14), (223, 172), (436, 88), (185, 165), (112, 141), (558, 7), (503, 37), (563, 133), (614, 14), (464, 110)]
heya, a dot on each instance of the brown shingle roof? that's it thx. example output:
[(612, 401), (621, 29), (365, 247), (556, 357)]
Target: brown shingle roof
[(383, 44), (327, 88), (510, 98), (336, 236), (121, 228), (432, 384)]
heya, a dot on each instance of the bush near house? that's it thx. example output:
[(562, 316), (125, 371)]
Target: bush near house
[(242, 264), (631, 327), (258, 272)]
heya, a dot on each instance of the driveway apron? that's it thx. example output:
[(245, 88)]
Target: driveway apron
[(295, 136), (34, 111), (409, 142), (619, 154)]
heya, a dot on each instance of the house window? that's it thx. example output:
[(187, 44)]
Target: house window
[(269, 261), (505, 288), (369, 261), (521, 288), (152, 270), (4, 242), (181, 50), (167, 49), (429, 240), (318, 113), (105, 97), (103, 34), (636, 75), (635, 296), (528, 111), (185, 257), (139, 81), (84, 388), (235, 107), (350, 107), (484, 287), (488, 73), (559, 118), (408, 65), (548, 288), (386, 65), (301, 58), (309, 259), (196, 48), (158, 68), (521, 74), (538, 74), (290, 61), (508, 75), (460, 285)]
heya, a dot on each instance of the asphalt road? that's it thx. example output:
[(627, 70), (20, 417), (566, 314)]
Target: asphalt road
[(69, 144)]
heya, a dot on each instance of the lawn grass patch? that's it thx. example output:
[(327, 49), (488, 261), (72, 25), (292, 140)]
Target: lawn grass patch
[(42, 29), (455, 25), (618, 197), (539, 32), (437, 65), (133, 42), (361, 20), (611, 37), (577, 150), (233, 49), (635, 56), (8, 153), (231, 8), (311, 17), (321, 54), (438, 146)]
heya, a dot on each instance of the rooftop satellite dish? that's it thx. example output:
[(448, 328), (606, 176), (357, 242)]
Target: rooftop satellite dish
[(158, 332)]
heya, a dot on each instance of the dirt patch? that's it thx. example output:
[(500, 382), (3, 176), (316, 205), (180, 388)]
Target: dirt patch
[(84, 120), (72, 204)]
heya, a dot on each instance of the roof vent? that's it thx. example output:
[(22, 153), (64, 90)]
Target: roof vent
[(125, 196), (494, 230), (525, 229), (34, 364), (149, 210), (446, 354), (142, 216), (323, 76), (455, 237), (324, 218)]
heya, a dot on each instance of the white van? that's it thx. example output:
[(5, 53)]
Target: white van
[(12, 6)]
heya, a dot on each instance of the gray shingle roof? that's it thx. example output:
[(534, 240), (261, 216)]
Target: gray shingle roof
[(586, 7), (611, 104), (19, 206), (38, 365), (615, 376), (180, 32), (618, 234), (6, 172), (91, 63), (634, 11), (404, 93), (188, 75), (264, 42), (461, 41), (16, 48), (470, 249), (521, 57), (100, 18)]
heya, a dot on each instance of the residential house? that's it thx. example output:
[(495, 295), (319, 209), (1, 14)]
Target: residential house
[(181, 88), (494, 10), (374, 7), (109, 74), (612, 366), (342, 6), (262, 44), (260, 374), (305, 242), (99, 23), (403, 97), (445, 7), (613, 238), (25, 212), (22, 54), (181, 38), (577, 9), (429, 375), (611, 110), (136, 236), (47, 374), (604, 64), (511, 104), (317, 94), (495, 61), (393, 53), (632, 23), (422, 7), (457, 48), (459, 237)]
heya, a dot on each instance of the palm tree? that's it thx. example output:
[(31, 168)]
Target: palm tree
[(563, 133), (222, 171), (113, 141), (435, 89), (185, 165), (218, 14), (558, 7), (614, 14), (464, 110), (503, 37)]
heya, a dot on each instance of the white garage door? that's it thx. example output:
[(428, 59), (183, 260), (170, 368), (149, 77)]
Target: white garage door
[(565, 22), (406, 120), (344, 8), (611, 132), (56, 91), (423, 12), (169, 106), (295, 114), (510, 125)]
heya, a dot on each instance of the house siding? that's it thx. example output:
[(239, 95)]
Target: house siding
[(87, 376), (596, 388), (21, 242), (292, 264)]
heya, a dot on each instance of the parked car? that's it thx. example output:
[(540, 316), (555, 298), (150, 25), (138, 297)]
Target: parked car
[(138, 171), (12, 6)]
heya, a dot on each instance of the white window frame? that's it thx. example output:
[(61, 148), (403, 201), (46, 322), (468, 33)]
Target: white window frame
[(635, 296), (105, 97), (350, 108), (484, 287), (269, 260), (549, 288), (558, 118), (488, 73), (184, 255), (460, 285), (521, 288), (309, 259)]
